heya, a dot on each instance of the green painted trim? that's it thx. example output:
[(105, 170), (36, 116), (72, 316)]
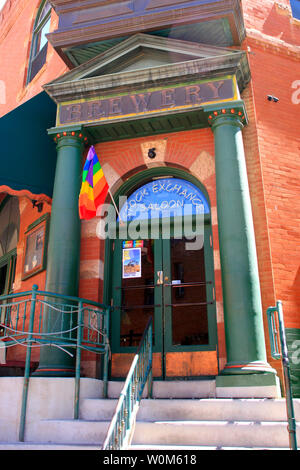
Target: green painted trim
[(37, 222), (5, 258), (70, 128), (247, 380)]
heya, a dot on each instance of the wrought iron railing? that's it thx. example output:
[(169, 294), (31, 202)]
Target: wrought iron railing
[(37, 318), (279, 351), (121, 429)]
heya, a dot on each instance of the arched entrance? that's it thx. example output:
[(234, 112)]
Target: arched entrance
[(162, 266)]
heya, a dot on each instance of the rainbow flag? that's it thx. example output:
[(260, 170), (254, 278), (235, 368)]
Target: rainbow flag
[(94, 186)]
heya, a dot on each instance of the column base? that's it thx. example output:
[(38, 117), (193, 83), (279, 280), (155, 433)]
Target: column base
[(264, 385), (241, 368), (54, 372)]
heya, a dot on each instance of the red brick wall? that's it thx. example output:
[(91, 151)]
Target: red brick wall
[(16, 24), (273, 39)]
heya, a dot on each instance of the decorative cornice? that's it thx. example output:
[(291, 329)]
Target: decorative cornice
[(71, 32)]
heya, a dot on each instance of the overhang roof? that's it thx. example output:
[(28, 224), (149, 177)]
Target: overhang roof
[(88, 27), (28, 155)]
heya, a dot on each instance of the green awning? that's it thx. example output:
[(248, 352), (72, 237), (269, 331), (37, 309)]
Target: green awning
[(27, 153)]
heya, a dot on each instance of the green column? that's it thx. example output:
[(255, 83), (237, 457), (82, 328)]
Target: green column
[(63, 247), (245, 342)]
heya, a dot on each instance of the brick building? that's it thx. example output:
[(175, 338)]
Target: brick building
[(183, 101)]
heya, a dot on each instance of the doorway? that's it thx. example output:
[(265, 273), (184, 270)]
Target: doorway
[(173, 283), (170, 279)]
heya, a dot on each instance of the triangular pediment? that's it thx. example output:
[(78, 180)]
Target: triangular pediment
[(142, 52)]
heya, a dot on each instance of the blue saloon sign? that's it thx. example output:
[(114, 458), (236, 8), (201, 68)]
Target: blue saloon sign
[(164, 197)]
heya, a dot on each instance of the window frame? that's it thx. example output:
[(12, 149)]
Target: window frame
[(37, 27)]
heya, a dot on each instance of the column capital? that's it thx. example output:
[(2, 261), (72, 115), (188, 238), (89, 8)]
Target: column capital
[(225, 117), (232, 112), (61, 135)]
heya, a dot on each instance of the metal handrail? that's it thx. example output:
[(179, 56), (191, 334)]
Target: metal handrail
[(121, 429), (280, 351), (25, 320)]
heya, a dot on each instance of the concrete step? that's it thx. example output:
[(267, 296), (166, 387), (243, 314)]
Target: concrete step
[(40, 446), (97, 409), (43, 446), (193, 409), (215, 410), (178, 423), (79, 432), (171, 448), (213, 433), (171, 389)]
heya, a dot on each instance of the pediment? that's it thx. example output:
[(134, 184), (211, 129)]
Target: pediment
[(142, 52)]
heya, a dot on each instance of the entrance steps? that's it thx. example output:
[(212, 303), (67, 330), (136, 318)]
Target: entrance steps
[(171, 420)]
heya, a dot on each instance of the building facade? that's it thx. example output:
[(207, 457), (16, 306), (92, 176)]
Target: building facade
[(191, 106)]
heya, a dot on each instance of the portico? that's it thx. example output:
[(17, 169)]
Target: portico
[(104, 101)]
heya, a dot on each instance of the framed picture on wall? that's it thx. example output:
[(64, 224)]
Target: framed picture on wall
[(36, 238)]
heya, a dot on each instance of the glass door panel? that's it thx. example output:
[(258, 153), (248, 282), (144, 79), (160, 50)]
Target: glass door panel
[(137, 301), (172, 282), (137, 295), (188, 294)]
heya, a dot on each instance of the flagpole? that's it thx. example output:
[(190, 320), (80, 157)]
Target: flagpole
[(115, 206)]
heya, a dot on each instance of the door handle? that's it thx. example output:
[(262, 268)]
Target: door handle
[(160, 276)]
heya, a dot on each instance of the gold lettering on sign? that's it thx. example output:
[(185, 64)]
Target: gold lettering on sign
[(151, 101), (74, 112), (115, 106), (215, 86), (141, 101), (168, 98), (192, 94), (95, 110)]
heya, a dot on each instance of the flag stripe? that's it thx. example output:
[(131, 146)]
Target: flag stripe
[(94, 186)]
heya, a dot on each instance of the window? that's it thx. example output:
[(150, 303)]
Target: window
[(295, 5), (39, 44), (9, 235)]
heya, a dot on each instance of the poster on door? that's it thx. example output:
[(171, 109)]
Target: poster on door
[(132, 263)]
